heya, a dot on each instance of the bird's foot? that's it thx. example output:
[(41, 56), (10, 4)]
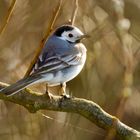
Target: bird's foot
[(49, 95), (66, 96)]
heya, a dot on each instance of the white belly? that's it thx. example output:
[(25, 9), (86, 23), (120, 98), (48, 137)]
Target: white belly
[(65, 75)]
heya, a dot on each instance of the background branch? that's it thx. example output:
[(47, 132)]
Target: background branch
[(74, 12), (34, 101), (7, 18)]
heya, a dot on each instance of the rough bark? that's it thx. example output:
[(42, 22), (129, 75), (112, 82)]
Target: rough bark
[(34, 101)]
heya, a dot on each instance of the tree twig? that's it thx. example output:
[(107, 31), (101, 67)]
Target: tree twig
[(48, 31), (7, 18), (34, 101), (74, 12)]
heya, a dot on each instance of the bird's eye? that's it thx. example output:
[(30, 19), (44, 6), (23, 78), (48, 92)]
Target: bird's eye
[(70, 35)]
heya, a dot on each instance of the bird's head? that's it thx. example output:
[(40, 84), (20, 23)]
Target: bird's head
[(70, 33)]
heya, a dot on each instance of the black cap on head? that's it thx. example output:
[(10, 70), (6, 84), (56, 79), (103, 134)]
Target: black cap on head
[(63, 28)]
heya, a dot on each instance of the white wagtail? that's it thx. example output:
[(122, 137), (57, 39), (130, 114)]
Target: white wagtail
[(61, 59)]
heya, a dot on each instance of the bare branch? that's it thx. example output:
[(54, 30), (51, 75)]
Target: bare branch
[(74, 12), (7, 18), (48, 31), (34, 101)]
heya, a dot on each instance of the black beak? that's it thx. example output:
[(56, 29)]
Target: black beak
[(82, 37)]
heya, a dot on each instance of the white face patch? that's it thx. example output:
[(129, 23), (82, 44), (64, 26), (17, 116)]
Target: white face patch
[(72, 35)]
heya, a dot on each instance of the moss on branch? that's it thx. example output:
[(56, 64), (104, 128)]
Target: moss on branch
[(34, 101)]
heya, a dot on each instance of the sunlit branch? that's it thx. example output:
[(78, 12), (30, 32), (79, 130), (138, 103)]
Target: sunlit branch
[(34, 101)]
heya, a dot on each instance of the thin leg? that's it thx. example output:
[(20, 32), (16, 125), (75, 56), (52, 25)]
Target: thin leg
[(48, 93), (63, 91), (46, 89)]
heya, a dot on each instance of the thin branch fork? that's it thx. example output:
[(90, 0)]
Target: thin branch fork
[(34, 101)]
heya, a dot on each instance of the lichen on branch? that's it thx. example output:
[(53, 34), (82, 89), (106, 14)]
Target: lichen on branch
[(34, 101)]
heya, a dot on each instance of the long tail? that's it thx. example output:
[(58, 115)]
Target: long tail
[(21, 84)]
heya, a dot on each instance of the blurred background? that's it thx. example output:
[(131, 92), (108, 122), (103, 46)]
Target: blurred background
[(111, 76)]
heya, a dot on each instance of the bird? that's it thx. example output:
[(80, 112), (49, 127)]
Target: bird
[(61, 59)]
